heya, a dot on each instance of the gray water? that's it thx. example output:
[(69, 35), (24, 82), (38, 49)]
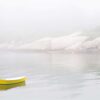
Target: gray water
[(51, 76)]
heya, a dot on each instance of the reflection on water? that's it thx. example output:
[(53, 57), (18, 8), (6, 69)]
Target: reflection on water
[(10, 86), (52, 76)]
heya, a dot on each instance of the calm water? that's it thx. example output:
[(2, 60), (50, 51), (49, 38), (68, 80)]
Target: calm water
[(52, 76)]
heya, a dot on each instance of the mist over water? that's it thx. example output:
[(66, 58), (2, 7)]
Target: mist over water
[(64, 37), (76, 42)]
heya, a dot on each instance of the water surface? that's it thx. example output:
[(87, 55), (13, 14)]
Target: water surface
[(51, 76)]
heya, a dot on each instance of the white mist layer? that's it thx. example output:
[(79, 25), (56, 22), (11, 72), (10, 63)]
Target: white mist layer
[(72, 43)]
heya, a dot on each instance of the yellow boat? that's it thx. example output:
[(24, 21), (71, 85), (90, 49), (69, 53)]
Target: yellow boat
[(12, 80)]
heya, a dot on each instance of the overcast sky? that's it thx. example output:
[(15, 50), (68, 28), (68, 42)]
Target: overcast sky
[(33, 19)]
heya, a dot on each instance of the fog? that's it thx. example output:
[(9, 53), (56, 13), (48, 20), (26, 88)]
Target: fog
[(73, 43), (27, 20)]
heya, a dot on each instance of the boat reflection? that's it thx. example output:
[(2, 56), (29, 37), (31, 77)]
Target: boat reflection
[(10, 86)]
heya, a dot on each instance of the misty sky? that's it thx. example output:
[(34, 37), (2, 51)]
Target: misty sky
[(34, 19)]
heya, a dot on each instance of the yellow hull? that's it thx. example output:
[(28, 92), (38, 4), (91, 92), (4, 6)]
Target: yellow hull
[(12, 80), (10, 86)]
